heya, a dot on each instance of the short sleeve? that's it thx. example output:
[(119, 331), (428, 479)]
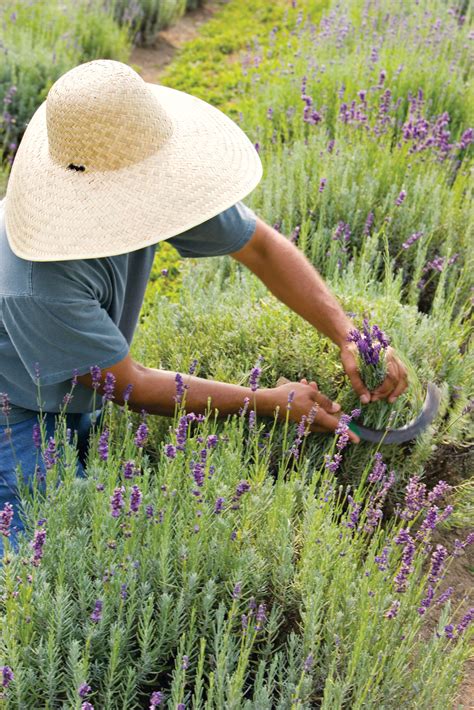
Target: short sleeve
[(62, 336), (225, 233)]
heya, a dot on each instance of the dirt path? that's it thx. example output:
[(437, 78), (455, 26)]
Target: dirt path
[(151, 61)]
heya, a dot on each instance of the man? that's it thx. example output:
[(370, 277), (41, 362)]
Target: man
[(109, 166)]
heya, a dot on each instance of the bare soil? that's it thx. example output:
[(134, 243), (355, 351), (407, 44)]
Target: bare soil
[(151, 61)]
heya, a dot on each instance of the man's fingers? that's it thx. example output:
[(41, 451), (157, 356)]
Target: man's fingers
[(326, 403), (399, 389), (356, 381), (388, 385)]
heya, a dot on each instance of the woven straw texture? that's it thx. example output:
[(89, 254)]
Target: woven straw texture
[(109, 164)]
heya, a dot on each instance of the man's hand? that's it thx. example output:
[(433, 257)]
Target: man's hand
[(308, 401), (395, 383)]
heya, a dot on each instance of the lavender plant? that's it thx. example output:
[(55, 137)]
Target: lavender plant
[(371, 346), (192, 581)]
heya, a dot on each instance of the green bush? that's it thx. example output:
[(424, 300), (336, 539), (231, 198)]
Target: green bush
[(148, 17), (40, 42), (221, 581), (225, 318)]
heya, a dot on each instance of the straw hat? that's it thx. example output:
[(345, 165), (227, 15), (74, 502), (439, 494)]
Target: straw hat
[(110, 163)]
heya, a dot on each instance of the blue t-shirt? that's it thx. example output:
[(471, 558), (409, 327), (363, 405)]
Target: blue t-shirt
[(60, 316)]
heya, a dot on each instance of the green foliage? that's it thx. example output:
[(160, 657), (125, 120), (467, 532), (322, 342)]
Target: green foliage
[(221, 609), (225, 318), (147, 17), (42, 42)]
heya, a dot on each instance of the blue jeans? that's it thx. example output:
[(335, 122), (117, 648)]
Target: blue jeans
[(26, 454)]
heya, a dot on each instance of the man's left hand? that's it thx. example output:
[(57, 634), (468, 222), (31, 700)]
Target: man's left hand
[(395, 383)]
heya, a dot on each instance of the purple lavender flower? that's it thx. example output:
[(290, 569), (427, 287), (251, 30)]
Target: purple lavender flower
[(182, 432), (96, 375), (170, 451), (141, 435), (50, 456), (117, 502), (381, 560), (322, 184), (443, 598), (379, 469), (441, 490), (412, 239), (5, 404), (37, 545), (255, 375), (129, 469), (96, 615), (6, 516), (7, 676), (260, 617), (308, 664), (180, 388), (37, 436), (426, 602), (192, 367), (84, 690), (466, 139), (354, 515), (185, 663), (212, 441), (127, 392), (401, 578), (149, 511), (415, 498), (219, 505), (156, 699), (449, 631), (197, 470), (332, 464), (374, 55), (437, 561), (135, 499), (465, 621), (291, 396), (109, 387), (342, 234), (370, 342), (368, 223), (252, 417), (242, 487), (103, 446), (87, 706), (237, 590), (393, 611)]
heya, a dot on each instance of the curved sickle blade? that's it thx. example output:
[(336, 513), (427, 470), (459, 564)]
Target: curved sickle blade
[(405, 433), (409, 431)]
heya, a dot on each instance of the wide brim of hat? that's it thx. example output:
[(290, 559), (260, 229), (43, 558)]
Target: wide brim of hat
[(56, 214)]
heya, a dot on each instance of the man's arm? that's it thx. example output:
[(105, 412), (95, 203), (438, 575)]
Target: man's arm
[(155, 391), (293, 280)]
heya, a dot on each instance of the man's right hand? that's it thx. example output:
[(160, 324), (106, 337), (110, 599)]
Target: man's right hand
[(308, 399)]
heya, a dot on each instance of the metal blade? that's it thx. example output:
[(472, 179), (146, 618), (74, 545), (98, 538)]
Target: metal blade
[(409, 431), (405, 433)]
